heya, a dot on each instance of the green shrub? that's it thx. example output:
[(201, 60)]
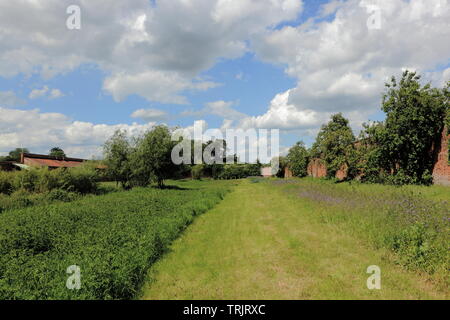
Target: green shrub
[(61, 195), (17, 200), (197, 172), (27, 179), (49, 180), (240, 171), (82, 179), (6, 185)]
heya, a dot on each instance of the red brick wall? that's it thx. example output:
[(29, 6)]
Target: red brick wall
[(317, 169), (288, 173), (342, 173), (441, 171)]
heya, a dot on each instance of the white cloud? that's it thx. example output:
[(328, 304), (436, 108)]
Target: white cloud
[(38, 93), (156, 51), (223, 109), (150, 115), (284, 116), (56, 93), (154, 86), (342, 65), (40, 131), (46, 92), (9, 99)]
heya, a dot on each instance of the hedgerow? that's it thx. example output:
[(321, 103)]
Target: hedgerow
[(82, 180), (112, 238)]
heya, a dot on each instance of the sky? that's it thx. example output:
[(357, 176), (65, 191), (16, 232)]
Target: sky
[(263, 64)]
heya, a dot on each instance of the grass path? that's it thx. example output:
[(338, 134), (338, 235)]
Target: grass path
[(260, 244)]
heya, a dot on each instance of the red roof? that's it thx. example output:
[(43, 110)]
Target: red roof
[(51, 163), (38, 160)]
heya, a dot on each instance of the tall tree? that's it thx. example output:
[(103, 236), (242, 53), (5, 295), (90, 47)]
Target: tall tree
[(298, 160), (371, 161), (335, 145), (57, 152), (14, 155), (117, 152), (152, 161), (415, 117)]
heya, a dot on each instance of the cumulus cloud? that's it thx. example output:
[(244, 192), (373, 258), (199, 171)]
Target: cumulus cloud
[(156, 51), (150, 115), (56, 93), (154, 86), (46, 92), (40, 131), (342, 65), (223, 109), (289, 118), (10, 99), (284, 116)]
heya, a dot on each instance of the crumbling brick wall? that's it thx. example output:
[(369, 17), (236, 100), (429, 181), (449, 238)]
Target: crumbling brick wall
[(317, 169), (288, 173), (441, 170)]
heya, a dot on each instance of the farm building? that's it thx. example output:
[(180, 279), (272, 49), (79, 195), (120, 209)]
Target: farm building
[(30, 160), (51, 162)]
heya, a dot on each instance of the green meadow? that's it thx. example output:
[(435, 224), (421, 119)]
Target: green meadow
[(241, 239), (309, 239)]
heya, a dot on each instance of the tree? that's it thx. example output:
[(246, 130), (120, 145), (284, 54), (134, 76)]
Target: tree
[(298, 160), (335, 146), (152, 161), (214, 154), (415, 117), (14, 155), (57, 152), (371, 161), (117, 152)]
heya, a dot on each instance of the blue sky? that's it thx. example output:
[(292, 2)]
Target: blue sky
[(282, 66)]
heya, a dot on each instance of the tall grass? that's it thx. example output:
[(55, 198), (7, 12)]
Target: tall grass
[(112, 238), (413, 222)]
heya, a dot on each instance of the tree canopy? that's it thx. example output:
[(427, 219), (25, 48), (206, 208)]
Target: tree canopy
[(152, 160), (415, 118), (57, 152), (14, 155), (335, 145), (117, 151), (298, 160)]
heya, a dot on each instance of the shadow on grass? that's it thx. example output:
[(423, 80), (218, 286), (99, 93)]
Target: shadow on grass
[(169, 187)]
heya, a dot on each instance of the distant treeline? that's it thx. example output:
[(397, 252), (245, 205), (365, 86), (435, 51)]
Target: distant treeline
[(148, 159)]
